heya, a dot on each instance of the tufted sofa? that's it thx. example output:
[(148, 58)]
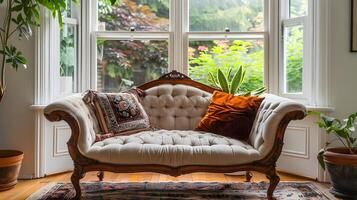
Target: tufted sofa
[(175, 105)]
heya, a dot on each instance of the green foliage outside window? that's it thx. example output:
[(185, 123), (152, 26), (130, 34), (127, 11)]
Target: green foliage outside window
[(68, 53), (294, 59), (117, 60), (225, 55)]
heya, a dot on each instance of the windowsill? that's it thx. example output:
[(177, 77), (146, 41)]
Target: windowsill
[(320, 108), (37, 107)]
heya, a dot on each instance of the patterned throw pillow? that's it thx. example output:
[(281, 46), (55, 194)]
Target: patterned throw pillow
[(118, 113), (230, 116)]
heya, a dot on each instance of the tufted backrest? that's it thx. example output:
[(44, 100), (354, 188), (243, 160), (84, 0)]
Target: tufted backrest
[(270, 113), (175, 107), (180, 107)]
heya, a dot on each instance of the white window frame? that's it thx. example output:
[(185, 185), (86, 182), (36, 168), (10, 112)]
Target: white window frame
[(233, 35), (127, 35), (178, 37), (74, 22), (286, 22), (47, 38)]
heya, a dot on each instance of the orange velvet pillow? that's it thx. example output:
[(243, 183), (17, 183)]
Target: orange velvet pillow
[(229, 115)]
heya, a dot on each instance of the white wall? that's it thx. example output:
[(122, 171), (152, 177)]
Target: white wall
[(17, 124), (343, 62)]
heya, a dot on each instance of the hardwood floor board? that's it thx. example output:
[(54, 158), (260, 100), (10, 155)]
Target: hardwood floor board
[(211, 177), (185, 178), (26, 187), (166, 178), (140, 177)]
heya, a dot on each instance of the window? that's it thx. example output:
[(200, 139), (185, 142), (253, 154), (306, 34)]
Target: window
[(226, 34), (295, 47), (132, 41), (136, 41), (68, 50)]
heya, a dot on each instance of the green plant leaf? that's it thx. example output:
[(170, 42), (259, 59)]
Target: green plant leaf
[(17, 8), (314, 113), (246, 94), (229, 73), (213, 79), (320, 158), (328, 120), (237, 80), (222, 81), (14, 57), (259, 91)]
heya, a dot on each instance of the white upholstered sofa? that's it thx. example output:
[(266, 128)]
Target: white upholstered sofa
[(175, 105)]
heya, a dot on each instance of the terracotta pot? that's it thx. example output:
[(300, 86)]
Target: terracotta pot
[(342, 167), (10, 164)]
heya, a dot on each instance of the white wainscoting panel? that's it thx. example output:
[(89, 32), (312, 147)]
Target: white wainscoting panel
[(56, 154), (302, 142), (296, 142), (61, 135)]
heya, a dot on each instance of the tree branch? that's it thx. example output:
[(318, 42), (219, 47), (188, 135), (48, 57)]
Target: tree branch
[(7, 24), (13, 31), (1, 39)]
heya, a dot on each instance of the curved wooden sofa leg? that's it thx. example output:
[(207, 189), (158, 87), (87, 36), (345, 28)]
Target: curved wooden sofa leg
[(274, 180), (248, 176), (77, 175), (100, 175)]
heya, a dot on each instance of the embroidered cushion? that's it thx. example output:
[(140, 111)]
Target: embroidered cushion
[(230, 116), (118, 113)]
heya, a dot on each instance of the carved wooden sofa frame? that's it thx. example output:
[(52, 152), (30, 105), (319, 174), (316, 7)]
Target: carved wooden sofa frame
[(82, 164)]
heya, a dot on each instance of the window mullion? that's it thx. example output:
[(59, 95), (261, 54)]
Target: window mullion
[(178, 24), (294, 21), (119, 35), (226, 36), (184, 34)]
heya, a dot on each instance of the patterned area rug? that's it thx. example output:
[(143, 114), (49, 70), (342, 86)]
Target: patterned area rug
[(185, 191)]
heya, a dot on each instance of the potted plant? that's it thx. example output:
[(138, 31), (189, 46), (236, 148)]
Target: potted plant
[(341, 163), (18, 17), (10, 164)]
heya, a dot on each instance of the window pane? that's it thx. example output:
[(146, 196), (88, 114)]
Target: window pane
[(68, 58), (298, 8), (68, 11), (208, 56), (217, 15), (72, 9), (143, 15), (123, 64), (293, 58)]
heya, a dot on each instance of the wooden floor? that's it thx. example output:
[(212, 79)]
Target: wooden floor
[(26, 187)]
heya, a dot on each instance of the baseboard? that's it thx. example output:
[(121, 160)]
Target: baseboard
[(26, 177)]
